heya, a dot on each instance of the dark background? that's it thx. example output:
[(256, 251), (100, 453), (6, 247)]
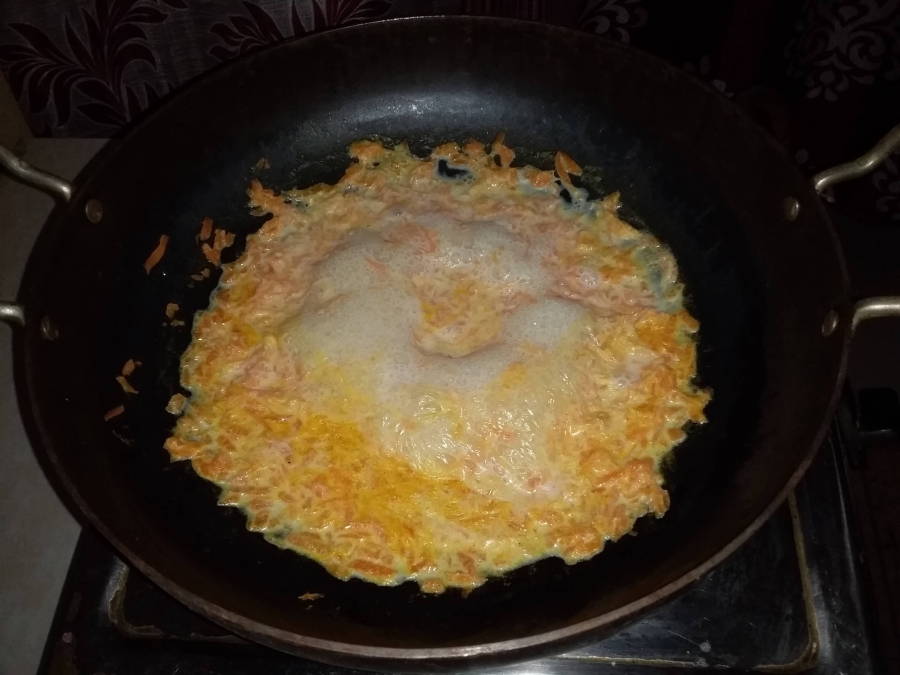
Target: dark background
[(823, 75)]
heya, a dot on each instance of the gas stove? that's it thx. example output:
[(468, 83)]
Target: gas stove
[(793, 598)]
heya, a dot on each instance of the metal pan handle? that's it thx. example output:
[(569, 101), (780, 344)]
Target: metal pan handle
[(10, 312), (875, 308), (861, 165), (870, 308), (33, 176)]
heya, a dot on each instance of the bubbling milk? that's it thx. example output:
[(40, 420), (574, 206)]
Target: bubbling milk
[(362, 305), (438, 411)]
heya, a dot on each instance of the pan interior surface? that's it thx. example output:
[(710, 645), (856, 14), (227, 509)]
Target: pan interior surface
[(689, 168)]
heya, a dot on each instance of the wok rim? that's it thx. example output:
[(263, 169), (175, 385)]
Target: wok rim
[(342, 653)]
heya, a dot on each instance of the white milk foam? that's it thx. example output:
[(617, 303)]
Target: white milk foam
[(361, 312), (355, 312)]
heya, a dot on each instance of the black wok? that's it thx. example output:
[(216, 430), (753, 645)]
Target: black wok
[(760, 261)]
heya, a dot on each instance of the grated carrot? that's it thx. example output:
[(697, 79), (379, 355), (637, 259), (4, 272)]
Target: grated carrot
[(223, 240), (157, 254), (380, 268), (206, 229), (211, 254), (115, 412), (126, 387), (565, 166), (506, 156)]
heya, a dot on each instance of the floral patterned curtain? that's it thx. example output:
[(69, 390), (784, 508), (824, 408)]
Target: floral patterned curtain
[(822, 75)]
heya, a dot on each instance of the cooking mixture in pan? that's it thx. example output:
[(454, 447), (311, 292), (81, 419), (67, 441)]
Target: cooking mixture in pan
[(440, 369)]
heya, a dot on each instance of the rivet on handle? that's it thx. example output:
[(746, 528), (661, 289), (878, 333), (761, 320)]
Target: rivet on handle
[(830, 323), (49, 329), (861, 165), (93, 209), (791, 208)]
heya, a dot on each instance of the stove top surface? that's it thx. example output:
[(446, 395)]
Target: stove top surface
[(791, 599)]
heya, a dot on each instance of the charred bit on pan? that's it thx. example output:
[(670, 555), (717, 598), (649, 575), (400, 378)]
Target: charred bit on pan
[(126, 441), (157, 254)]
